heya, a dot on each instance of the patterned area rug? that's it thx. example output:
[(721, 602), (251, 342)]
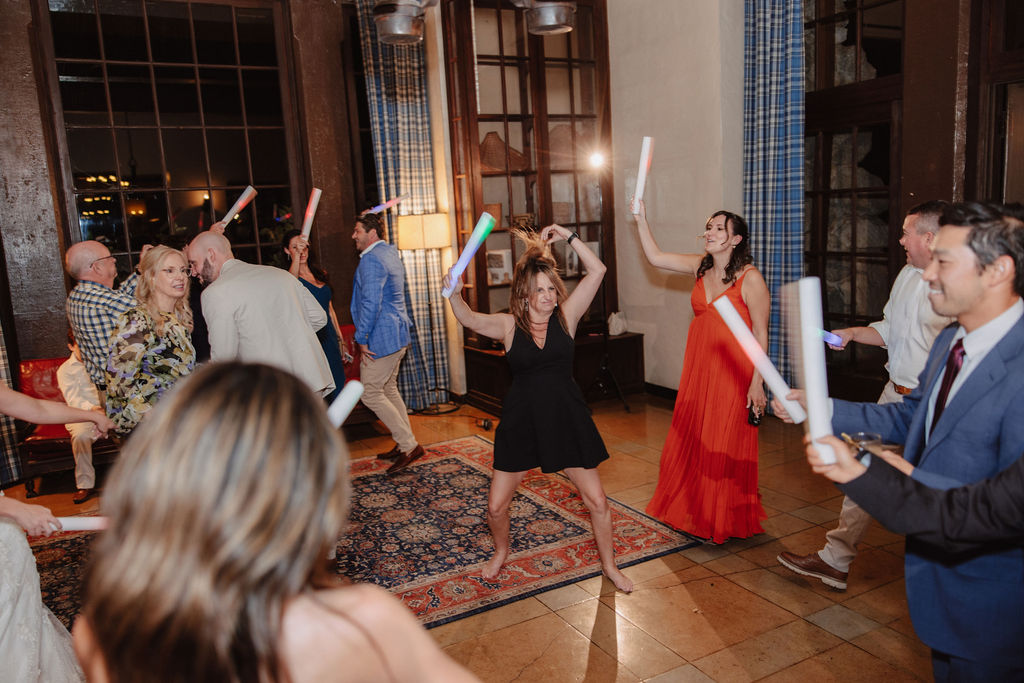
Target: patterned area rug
[(61, 560), (423, 534)]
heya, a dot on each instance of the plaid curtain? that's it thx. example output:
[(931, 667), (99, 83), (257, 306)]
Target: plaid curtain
[(773, 151), (10, 471), (396, 88)]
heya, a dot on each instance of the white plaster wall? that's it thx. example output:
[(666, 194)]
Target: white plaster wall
[(676, 75)]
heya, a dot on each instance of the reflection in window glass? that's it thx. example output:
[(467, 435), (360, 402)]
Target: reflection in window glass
[(185, 116)]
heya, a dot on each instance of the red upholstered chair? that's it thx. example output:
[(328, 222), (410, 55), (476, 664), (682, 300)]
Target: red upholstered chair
[(48, 447), (360, 413)]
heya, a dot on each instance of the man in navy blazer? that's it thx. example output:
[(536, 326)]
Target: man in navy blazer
[(966, 606), (382, 333)]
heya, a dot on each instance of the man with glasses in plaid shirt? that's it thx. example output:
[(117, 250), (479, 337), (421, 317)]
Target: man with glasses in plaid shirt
[(93, 305)]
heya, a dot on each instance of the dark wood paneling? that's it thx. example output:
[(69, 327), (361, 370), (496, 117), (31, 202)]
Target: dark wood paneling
[(28, 220)]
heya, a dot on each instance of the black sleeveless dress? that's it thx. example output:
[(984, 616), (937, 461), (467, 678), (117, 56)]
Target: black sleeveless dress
[(544, 420)]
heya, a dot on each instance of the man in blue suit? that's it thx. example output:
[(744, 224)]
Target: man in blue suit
[(963, 423), (382, 333)]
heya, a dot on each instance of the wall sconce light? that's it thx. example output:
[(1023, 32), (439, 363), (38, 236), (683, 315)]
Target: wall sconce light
[(424, 231), (400, 22), (548, 17)]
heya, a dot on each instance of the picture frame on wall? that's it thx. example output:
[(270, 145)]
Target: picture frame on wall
[(499, 267)]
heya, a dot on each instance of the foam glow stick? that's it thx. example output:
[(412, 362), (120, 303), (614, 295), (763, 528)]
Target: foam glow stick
[(833, 339), (345, 402), (83, 523), (314, 201), (247, 194), (388, 204), (812, 356), (646, 149), (480, 232), (758, 357)]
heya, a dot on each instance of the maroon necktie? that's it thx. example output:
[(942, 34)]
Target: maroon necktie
[(953, 364)]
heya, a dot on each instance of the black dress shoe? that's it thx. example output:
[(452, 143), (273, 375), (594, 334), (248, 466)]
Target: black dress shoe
[(390, 455), (82, 495), (406, 460)]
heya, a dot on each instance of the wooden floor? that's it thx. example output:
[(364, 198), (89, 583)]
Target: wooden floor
[(722, 613)]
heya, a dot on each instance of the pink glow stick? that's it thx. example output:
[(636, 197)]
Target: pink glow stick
[(314, 201), (380, 208), (242, 202), (646, 150)]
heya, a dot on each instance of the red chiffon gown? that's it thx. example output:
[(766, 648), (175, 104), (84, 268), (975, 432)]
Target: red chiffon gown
[(707, 485)]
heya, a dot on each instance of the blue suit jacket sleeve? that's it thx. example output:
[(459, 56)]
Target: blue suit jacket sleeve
[(367, 297)]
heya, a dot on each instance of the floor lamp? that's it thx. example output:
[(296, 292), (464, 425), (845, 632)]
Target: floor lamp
[(427, 231)]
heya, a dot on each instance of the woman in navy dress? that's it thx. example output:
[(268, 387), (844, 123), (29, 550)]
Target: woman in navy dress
[(314, 278)]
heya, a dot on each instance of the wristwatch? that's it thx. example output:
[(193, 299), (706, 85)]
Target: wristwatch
[(570, 238)]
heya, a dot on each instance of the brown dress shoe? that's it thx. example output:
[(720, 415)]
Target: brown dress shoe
[(406, 460), (813, 565), (82, 495), (390, 455)]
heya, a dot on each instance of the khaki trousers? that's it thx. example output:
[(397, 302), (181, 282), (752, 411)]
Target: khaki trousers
[(380, 379), (841, 543)]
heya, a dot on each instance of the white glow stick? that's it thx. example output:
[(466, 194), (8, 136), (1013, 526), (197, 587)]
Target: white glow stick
[(758, 357), (82, 523), (480, 232), (314, 201), (242, 202), (345, 402), (646, 149), (812, 356)]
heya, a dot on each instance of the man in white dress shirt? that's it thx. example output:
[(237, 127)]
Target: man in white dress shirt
[(907, 329), (259, 314)]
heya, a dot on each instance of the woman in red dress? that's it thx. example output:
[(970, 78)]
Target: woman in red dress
[(707, 485)]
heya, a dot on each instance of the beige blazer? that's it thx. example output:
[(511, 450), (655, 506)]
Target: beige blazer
[(262, 314)]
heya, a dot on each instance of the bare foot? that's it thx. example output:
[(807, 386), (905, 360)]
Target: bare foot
[(621, 581), (492, 568)]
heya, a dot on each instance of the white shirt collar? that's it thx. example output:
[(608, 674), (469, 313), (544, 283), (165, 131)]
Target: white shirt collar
[(981, 340), (366, 251)]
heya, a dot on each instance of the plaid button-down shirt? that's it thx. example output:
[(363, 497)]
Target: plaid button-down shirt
[(92, 311)]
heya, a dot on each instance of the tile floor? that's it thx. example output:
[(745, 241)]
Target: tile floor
[(710, 613)]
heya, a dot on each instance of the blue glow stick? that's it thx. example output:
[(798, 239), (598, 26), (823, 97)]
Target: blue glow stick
[(480, 232), (833, 339)]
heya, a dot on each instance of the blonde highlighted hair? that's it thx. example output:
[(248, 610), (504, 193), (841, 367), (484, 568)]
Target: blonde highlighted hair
[(151, 263), (223, 505), (536, 259)]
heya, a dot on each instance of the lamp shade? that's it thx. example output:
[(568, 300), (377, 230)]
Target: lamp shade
[(424, 231)]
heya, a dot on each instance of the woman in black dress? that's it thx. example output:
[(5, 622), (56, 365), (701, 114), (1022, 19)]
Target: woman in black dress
[(544, 421)]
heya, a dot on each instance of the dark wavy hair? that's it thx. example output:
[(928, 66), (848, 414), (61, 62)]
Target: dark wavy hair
[(740, 254), (373, 221), (535, 260), (311, 260), (995, 230)]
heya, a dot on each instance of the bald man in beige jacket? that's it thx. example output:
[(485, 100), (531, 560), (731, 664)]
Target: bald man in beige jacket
[(259, 313)]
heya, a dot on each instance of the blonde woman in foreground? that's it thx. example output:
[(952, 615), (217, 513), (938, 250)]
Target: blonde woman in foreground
[(544, 420), (222, 507)]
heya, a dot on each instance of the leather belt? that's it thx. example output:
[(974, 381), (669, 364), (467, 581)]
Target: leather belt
[(901, 390)]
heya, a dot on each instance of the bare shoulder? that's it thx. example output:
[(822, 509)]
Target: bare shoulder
[(753, 278)]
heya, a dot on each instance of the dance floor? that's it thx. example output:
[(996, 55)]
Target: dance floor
[(423, 534)]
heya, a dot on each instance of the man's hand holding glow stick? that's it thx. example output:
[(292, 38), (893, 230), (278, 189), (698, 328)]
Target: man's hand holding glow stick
[(646, 150), (758, 357), (242, 202), (345, 402), (480, 232), (380, 208), (314, 201)]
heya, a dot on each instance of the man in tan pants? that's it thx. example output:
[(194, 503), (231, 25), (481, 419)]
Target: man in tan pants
[(907, 330), (382, 333)]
